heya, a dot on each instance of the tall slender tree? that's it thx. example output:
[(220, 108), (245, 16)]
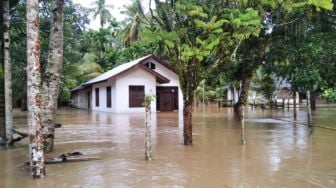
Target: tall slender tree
[(52, 74), (8, 75), (2, 91), (102, 11), (36, 141), (136, 20)]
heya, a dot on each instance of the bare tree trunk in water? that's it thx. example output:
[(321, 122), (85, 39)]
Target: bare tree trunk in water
[(242, 136), (24, 106), (239, 107), (242, 98), (313, 100), (36, 141), (148, 143), (53, 72), (8, 75), (187, 122), (2, 114), (309, 116), (2, 96), (294, 105)]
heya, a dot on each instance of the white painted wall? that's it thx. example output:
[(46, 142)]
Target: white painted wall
[(120, 90), (102, 96), (173, 77), (80, 99), (138, 77)]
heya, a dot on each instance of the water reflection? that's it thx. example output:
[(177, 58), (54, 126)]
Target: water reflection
[(278, 153)]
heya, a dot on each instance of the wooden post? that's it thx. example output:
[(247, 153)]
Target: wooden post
[(148, 142), (309, 116), (294, 105)]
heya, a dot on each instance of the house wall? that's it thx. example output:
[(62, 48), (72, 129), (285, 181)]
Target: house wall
[(120, 90), (137, 77), (102, 96), (80, 99), (174, 80)]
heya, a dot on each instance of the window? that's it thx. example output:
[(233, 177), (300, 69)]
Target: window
[(108, 97), (136, 96), (150, 65), (97, 96)]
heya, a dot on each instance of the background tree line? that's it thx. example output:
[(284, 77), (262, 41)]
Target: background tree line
[(218, 42)]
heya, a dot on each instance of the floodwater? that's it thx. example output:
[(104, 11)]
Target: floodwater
[(277, 154)]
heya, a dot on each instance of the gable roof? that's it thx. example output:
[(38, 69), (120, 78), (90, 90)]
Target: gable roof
[(125, 67)]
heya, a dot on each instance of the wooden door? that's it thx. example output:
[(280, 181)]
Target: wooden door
[(166, 102)]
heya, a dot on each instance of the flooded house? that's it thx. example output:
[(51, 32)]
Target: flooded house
[(122, 89), (282, 94)]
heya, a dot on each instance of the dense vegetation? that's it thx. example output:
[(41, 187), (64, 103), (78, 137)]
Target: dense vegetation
[(212, 45), (298, 39)]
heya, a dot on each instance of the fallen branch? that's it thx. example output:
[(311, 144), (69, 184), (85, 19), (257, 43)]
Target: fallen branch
[(24, 135), (70, 159), (58, 125)]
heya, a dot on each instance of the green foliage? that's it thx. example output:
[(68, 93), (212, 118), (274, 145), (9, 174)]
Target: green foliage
[(330, 94), (245, 22), (264, 83), (102, 11), (149, 98)]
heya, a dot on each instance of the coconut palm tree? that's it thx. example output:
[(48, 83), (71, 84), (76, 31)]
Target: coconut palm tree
[(101, 10), (135, 21), (8, 75), (36, 141), (53, 71)]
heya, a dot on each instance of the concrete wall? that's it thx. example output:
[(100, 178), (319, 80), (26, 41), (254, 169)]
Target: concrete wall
[(137, 77), (174, 80), (80, 99), (102, 96), (120, 90)]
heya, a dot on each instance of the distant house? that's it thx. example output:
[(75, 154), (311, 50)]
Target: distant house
[(122, 89), (283, 93)]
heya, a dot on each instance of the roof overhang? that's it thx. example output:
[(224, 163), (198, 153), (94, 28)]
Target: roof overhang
[(159, 78)]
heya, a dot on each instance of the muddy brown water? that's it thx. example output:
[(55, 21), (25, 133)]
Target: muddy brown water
[(277, 153)]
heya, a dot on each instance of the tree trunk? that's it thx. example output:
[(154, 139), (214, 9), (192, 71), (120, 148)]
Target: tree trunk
[(313, 100), (2, 98), (24, 106), (294, 105), (52, 76), (8, 75), (36, 141), (148, 143), (242, 123), (309, 116), (238, 113), (2, 115), (187, 123)]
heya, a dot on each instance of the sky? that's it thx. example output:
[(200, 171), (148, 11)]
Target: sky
[(117, 4)]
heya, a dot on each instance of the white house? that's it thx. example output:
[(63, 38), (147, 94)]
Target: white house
[(122, 89)]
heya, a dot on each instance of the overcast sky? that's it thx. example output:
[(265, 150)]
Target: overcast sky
[(117, 4)]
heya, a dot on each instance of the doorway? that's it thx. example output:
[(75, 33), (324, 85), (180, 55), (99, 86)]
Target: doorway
[(167, 99)]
